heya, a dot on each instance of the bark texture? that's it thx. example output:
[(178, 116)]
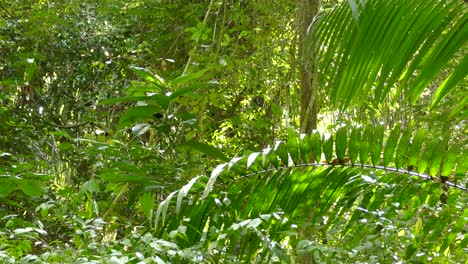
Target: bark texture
[(307, 11)]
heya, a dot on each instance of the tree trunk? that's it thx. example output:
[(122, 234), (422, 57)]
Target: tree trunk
[(307, 11)]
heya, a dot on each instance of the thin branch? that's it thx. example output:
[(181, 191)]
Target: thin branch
[(205, 20), (116, 201)]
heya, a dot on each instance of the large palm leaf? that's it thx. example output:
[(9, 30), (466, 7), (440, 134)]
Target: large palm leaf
[(383, 47), (276, 205)]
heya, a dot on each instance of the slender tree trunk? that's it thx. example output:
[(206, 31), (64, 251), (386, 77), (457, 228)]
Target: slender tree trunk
[(307, 11), (308, 116)]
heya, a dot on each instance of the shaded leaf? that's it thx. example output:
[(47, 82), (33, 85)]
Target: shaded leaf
[(340, 144), (183, 79), (391, 145), (31, 188), (138, 114), (328, 148), (209, 150)]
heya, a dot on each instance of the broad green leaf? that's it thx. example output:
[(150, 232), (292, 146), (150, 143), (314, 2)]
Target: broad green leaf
[(354, 144), (6, 187), (328, 148), (305, 148), (415, 148), (426, 154), (209, 150), (31, 69), (91, 186), (31, 188), (138, 114), (316, 145), (147, 202), (411, 249), (183, 79), (143, 89), (391, 145), (149, 76), (403, 147), (293, 146), (449, 161), (365, 145), (186, 89), (340, 143), (437, 157), (376, 144), (123, 99)]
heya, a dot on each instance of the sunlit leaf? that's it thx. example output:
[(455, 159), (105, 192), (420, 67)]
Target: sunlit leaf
[(449, 161), (147, 202), (149, 76), (184, 191), (214, 175)]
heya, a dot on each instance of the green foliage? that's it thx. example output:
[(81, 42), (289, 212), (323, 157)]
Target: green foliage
[(16, 176), (294, 207), (115, 114), (375, 46)]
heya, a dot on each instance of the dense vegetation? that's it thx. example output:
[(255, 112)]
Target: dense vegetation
[(233, 131)]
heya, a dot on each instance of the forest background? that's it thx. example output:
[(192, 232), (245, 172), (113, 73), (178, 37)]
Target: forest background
[(233, 131)]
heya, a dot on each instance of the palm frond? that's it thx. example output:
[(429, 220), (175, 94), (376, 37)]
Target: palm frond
[(280, 203), (376, 47)]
